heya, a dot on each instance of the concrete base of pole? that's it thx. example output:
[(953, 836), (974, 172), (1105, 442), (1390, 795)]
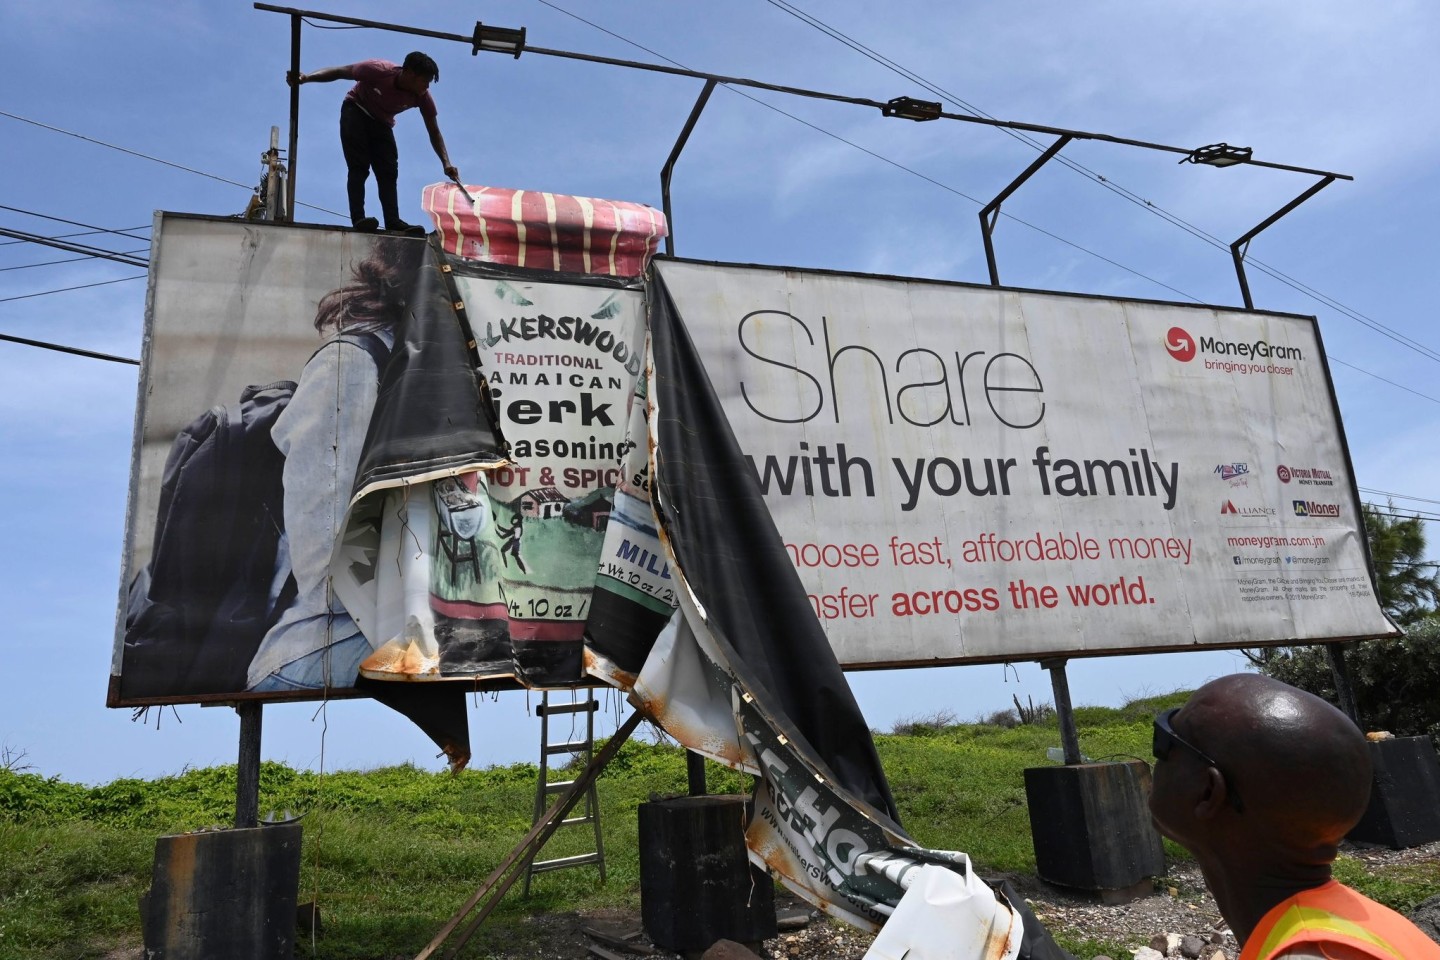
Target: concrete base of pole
[(224, 895), (1090, 826), (1404, 806)]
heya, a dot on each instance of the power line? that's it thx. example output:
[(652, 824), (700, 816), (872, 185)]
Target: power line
[(73, 223), (944, 186), (1402, 496), (60, 347), (51, 263), (146, 156), (75, 247), (1399, 386), (83, 286), (877, 156), (1324, 299), (82, 233)]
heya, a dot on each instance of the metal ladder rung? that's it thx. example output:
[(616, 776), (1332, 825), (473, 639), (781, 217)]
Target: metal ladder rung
[(584, 706), (560, 863), (544, 789), (574, 746)]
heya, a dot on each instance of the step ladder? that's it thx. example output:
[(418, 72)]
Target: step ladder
[(588, 810)]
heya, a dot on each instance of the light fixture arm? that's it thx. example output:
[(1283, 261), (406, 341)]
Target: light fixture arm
[(991, 212), (669, 167), (1240, 247)]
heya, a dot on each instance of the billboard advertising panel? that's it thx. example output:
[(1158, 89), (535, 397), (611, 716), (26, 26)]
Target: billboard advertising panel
[(280, 363), (967, 474)]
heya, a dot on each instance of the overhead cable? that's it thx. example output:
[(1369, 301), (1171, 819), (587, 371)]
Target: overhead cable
[(82, 286), (877, 156), (146, 156), (51, 263), (128, 260), (74, 223), (82, 233), (1174, 219), (62, 348)]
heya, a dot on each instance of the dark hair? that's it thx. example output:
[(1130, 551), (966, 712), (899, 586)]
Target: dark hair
[(374, 299), (417, 62)]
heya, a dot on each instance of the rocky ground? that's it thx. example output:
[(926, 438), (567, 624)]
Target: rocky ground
[(1179, 919)]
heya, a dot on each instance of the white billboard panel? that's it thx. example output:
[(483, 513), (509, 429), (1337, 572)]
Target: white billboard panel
[(970, 473)]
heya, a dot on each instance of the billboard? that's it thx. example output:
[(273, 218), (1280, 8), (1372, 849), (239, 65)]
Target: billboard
[(361, 456), (280, 363), (966, 474), (323, 491)]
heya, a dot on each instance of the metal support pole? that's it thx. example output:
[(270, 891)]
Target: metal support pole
[(1340, 673), (247, 768), (294, 116), (1239, 248), (1069, 738), (991, 213), (669, 168), (695, 773)]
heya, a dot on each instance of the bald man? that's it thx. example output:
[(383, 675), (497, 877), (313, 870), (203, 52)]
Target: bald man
[(1261, 781)]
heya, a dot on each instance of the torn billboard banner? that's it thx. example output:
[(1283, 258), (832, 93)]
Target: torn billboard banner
[(266, 350), (246, 575), (743, 673), (493, 573), (969, 474)]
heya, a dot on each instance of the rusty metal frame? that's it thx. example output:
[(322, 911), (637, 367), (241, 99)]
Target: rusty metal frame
[(512, 868), (1240, 247), (991, 212)]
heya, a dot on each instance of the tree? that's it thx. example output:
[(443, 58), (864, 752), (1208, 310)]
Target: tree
[(1408, 588), (1394, 680)]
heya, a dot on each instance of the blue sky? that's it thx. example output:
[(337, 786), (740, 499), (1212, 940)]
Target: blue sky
[(1325, 84)]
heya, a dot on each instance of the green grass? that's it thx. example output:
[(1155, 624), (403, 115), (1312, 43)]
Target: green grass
[(391, 853)]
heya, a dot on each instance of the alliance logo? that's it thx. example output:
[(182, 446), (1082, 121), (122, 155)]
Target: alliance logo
[(1312, 508), (1228, 507), (1180, 344)]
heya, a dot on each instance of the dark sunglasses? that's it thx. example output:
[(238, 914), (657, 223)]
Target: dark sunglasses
[(1165, 737)]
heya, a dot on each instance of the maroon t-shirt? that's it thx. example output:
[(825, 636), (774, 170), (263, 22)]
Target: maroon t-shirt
[(377, 95)]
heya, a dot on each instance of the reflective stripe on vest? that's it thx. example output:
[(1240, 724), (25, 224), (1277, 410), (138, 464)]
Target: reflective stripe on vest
[(1333, 913)]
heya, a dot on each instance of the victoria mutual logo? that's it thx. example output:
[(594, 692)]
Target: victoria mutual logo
[(1180, 344)]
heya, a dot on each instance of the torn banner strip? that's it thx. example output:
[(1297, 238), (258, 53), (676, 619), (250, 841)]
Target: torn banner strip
[(570, 565)]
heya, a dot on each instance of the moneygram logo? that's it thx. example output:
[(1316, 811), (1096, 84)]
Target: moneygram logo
[(1229, 508), (1234, 356), (1180, 344), (1312, 508)]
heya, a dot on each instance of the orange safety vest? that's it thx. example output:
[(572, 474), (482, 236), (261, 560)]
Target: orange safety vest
[(1333, 913)]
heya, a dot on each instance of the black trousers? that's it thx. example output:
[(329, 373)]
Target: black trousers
[(369, 145)]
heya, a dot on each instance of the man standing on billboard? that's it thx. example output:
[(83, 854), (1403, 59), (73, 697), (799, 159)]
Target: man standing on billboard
[(367, 119)]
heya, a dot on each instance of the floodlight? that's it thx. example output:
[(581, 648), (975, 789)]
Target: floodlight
[(1219, 155), (498, 39), (908, 108)]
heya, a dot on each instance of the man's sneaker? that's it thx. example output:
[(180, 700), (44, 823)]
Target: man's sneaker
[(400, 226), (367, 225)]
